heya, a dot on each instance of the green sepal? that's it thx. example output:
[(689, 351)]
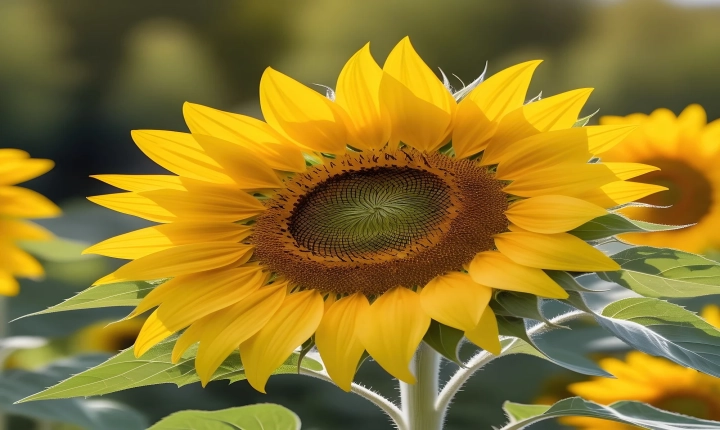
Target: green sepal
[(522, 305), (661, 272), (613, 224), (306, 347), (445, 340)]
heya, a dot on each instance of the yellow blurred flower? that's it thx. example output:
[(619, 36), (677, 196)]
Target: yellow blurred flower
[(17, 203), (687, 151), (656, 381), (107, 336), (267, 249)]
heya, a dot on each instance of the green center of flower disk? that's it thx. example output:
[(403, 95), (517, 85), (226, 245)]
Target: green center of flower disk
[(364, 213), (370, 222)]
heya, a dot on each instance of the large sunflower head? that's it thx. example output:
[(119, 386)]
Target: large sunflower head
[(687, 151), (359, 216), (652, 380), (17, 203)]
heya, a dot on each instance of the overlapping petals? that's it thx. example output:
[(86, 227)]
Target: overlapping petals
[(222, 171), (16, 167)]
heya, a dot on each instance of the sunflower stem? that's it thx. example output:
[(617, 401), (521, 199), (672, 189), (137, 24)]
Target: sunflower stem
[(386, 405), (482, 358), (418, 400)]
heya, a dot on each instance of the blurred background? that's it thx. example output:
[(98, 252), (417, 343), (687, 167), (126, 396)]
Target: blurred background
[(76, 77)]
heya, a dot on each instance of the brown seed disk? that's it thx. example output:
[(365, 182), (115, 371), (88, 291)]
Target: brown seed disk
[(368, 222)]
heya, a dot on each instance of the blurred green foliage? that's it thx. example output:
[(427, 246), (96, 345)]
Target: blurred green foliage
[(76, 76)]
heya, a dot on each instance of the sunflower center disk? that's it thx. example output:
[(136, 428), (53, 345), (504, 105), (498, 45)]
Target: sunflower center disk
[(368, 223), (358, 216)]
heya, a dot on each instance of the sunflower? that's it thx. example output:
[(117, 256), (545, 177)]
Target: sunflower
[(687, 150), (652, 380), (108, 335), (16, 203), (351, 218)]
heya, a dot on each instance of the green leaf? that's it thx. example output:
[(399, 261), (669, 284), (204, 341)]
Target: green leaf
[(57, 249), (635, 413), (566, 358), (613, 224), (445, 340), (660, 272), (88, 414), (124, 371), (659, 328), (254, 417), (520, 305), (103, 296)]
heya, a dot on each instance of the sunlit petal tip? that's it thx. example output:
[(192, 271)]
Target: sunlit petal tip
[(302, 114)]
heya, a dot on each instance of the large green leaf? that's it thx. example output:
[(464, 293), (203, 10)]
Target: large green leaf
[(254, 417), (57, 249), (89, 414), (124, 371), (103, 296), (635, 413), (660, 272), (567, 358), (611, 224), (445, 340), (659, 328)]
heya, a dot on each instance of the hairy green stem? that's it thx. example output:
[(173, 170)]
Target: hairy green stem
[(418, 400), (386, 405), (3, 334)]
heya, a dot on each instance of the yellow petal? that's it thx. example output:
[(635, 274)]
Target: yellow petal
[(20, 263), (293, 323), (562, 180), (496, 270), (248, 170), (357, 91), (479, 112), (180, 260), (301, 114), (391, 330), (618, 193), (188, 338), (195, 296), (12, 154), (227, 329), (12, 229), (630, 170), (553, 113), (206, 203), (560, 251), (152, 333), (337, 338), (23, 203), (552, 213), (20, 170), (419, 106), (9, 286), (149, 240), (142, 182), (552, 149), (455, 300), (249, 133), (486, 334), (134, 204), (605, 137), (180, 154)]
